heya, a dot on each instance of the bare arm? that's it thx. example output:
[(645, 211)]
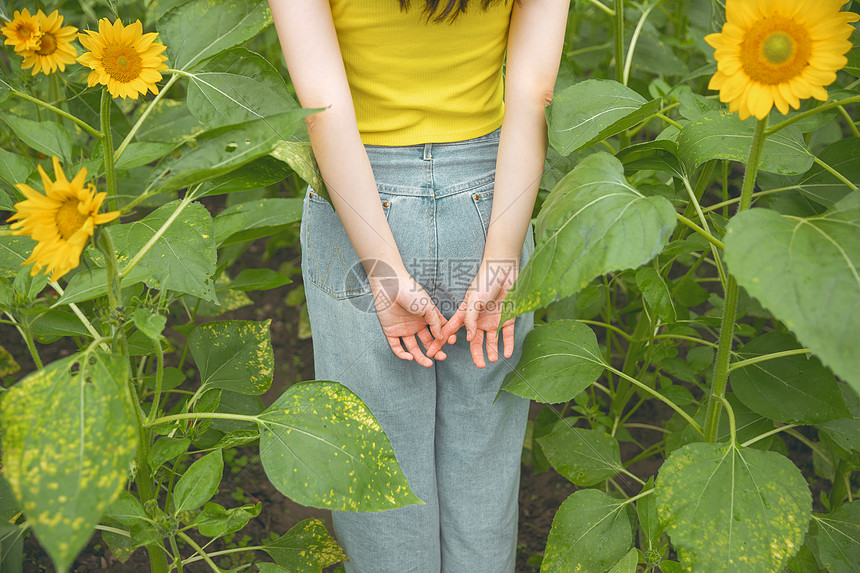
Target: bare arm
[(534, 49), (309, 42), (310, 47)]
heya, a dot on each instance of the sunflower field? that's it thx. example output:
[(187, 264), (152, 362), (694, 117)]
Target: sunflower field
[(695, 365)]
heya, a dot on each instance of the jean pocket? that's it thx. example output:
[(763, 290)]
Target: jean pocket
[(483, 198), (331, 262)]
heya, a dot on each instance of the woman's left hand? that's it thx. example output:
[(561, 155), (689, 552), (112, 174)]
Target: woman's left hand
[(481, 311)]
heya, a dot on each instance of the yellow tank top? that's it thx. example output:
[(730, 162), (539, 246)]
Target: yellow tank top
[(414, 81)]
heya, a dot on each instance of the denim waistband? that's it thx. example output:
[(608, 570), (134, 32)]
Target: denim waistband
[(435, 169)]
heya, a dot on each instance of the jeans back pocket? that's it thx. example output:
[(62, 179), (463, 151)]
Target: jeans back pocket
[(330, 260)]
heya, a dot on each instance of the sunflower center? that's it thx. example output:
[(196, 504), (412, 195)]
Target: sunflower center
[(122, 63), (775, 49), (69, 219), (49, 45)]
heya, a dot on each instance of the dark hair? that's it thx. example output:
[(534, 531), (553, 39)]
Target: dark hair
[(450, 8)]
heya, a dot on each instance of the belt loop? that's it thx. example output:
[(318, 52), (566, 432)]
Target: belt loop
[(428, 151)]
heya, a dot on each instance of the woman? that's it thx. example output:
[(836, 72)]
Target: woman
[(427, 228)]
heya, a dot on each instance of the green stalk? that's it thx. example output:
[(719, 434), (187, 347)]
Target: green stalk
[(202, 416), (159, 378), (107, 146), (727, 328), (82, 124), (618, 20), (773, 129)]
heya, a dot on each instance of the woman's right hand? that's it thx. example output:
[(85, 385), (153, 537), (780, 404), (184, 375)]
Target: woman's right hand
[(407, 312)]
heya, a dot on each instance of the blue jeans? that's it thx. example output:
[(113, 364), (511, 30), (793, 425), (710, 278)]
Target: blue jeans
[(458, 448)]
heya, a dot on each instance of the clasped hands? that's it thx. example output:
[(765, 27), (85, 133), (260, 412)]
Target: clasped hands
[(408, 315)]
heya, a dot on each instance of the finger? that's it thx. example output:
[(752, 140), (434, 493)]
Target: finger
[(471, 318), (452, 339), (434, 320), (394, 343), (476, 347), (508, 337), (427, 340), (415, 351), (492, 345)]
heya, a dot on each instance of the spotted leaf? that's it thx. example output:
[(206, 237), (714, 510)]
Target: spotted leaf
[(69, 434), (590, 533), (234, 355), (306, 548), (321, 446), (732, 509)]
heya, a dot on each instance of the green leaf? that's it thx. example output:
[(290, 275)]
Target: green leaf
[(47, 137), (56, 322), (183, 259), (590, 111), (722, 135), (149, 323), (261, 172), (142, 153), (839, 538), (585, 457), (806, 271), (215, 520), (259, 279), (165, 449), (14, 250), (590, 533), (224, 149), (7, 363), (68, 438), (659, 155), (254, 219), (234, 355), (300, 157), (14, 168), (656, 293), (592, 223), (845, 432), (322, 447), (628, 564), (125, 510), (791, 389), (217, 26), (169, 122), (306, 548), (199, 482), (559, 360), (646, 511), (823, 187), (237, 85), (732, 509)]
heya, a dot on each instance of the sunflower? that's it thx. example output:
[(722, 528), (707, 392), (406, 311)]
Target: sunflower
[(61, 221), (22, 32), (55, 48), (123, 58), (777, 52)]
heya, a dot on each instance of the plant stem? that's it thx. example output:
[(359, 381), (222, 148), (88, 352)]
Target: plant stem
[(630, 50), (143, 116), (202, 416), (199, 550), (82, 124), (602, 6), (751, 441), (836, 174), (107, 146), (156, 236), (727, 328), (618, 40), (755, 195), (765, 357), (850, 121), (31, 345), (657, 395), (733, 429), (783, 124), (194, 558), (711, 239), (159, 378), (607, 326)]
